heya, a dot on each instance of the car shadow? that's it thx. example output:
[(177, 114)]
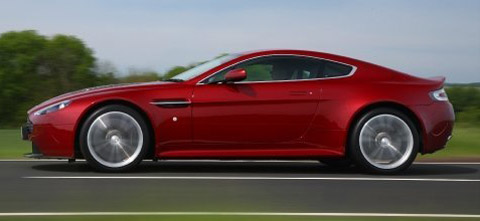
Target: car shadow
[(253, 168), (437, 169), (205, 167)]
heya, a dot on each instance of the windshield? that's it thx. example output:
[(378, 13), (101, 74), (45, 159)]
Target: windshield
[(191, 73)]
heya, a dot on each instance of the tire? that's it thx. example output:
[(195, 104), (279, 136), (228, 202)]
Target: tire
[(384, 141), (337, 163), (114, 138)]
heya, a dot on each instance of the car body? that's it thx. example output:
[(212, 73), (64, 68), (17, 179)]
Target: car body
[(309, 113)]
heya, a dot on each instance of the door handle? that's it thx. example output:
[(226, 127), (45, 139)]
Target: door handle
[(300, 93)]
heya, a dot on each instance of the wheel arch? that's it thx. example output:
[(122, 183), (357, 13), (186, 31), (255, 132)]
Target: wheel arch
[(96, 106), (386, 104)]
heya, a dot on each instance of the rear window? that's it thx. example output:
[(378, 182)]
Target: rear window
[(333, 69)]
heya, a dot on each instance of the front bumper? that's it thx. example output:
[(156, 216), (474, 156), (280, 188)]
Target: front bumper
[(35, 153), (50, 138), (26, 132)]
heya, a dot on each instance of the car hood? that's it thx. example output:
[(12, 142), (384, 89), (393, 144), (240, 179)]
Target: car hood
[(94, 90)]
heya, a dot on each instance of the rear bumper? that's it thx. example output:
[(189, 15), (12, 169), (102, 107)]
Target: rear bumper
[(437, 121)]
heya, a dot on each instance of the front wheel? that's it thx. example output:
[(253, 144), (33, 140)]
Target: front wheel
[(384, 141), (114, 138)]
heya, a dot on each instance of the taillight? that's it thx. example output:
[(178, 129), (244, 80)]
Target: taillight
[(439, 95)]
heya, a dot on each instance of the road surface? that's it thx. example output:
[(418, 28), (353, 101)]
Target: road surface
[(199, 186)]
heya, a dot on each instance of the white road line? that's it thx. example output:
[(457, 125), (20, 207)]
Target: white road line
[(240, 214), (253, 178), (234, 161)]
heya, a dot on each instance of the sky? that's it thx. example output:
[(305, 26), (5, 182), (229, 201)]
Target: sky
[(419, 37)]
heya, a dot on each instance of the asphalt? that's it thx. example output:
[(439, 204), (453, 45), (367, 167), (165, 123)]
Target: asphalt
[(39, 186)]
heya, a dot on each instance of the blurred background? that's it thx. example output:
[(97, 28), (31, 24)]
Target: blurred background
[(51, 47)]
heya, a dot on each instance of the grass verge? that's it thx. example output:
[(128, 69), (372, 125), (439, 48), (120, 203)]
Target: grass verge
[(465, 143), (11, 144), (221, 218)]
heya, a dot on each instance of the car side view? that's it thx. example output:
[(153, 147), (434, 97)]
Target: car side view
[(270, 104)]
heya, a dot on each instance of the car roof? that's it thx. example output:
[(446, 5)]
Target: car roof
[(299, 52)]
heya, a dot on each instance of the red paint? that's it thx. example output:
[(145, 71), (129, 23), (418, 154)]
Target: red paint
[(300, 119), (236, 75)]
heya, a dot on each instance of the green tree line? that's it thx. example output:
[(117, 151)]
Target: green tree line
[(466, 103), (34, 68)]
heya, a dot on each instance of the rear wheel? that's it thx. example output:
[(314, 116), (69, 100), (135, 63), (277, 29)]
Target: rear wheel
[(384, 140), (114, 138)]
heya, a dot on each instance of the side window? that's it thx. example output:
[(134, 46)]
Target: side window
[(276, 68), (333, 69), (258, 71)]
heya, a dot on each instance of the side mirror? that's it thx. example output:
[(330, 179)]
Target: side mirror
[(238, 74)]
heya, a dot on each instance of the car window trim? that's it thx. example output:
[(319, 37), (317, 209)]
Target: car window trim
[(354, 68)]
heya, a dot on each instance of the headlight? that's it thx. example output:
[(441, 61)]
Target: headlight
[(53, 108), (439, 95)]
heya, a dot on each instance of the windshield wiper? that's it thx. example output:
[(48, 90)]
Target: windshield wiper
[(174, 80)]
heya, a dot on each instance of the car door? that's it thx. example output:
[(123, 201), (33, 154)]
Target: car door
[(271, 109)]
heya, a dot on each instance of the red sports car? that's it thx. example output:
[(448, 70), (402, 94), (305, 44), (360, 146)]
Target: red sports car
[(272, 104)]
